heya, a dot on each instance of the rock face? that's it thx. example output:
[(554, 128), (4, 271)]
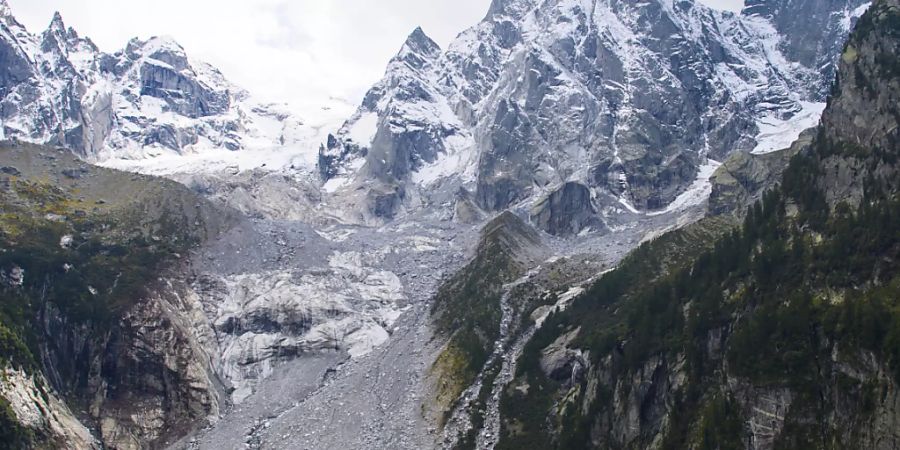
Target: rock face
[(42, 411), (720, 381), (150, 98), (638, 408), (744, 177), (860, 125), (119, 341), (562, 363), (566, 211), (144, 382), (816, 41), (626, 98)]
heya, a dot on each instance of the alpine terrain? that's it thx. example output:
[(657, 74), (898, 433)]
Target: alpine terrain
[(607, 224)]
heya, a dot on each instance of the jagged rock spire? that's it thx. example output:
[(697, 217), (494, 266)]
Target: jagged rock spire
[(418, 50), (6, 15), (57, 23), (513, 8), (419, 42)]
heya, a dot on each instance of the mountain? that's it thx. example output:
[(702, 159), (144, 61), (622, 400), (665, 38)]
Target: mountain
[(626, 98), (524, 240), (778, 333), (148, 99), (97, 342)]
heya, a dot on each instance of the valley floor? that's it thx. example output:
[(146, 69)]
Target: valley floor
[(329, 400)]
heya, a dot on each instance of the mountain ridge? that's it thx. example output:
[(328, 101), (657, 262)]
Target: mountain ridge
[(146, 100), (588, 82), (357, 305)]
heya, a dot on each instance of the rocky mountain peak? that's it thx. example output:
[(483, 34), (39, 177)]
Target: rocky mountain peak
[(511, 8), (160, 48), (419, 42), (58, 37), (8, 19), (57, 24), (149, 98), (418, 50), (545, 92)]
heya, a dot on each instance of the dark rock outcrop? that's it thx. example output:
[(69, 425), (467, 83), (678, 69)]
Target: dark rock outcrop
[(744, 177), (566, 211)]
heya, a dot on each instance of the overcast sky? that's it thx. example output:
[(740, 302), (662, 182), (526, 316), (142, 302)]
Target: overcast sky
[(295, 51)]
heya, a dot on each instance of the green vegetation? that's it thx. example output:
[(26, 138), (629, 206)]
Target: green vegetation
[(102, 272), (467, 307), (471, 318), (789, 289), (89, 281), (805, 290), (13, 435), (720, 425), (604, 313)]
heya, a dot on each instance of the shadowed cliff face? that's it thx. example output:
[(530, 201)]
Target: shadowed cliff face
[(97, 315), (566, 211)]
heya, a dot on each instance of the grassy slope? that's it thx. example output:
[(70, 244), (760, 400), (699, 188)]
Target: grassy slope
[(467, 307), (126, 229)]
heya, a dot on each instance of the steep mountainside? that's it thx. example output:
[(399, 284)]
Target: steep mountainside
[(468, 308), (627, 98), (94, 317), (456, 266), (784, 334), (743, 178)]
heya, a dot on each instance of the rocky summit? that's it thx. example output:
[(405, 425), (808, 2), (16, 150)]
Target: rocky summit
[(149, 98), (605, 224), (627, 98)]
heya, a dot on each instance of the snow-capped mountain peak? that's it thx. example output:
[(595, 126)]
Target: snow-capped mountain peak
[(56, 24), (5, 10), (627, 98), (148, 100), (515, 9), (418, 43)]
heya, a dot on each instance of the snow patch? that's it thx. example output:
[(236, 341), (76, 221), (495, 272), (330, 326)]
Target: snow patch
[(540, 315), (697, 193), (776, 133), (460, 161), (849, 16), (363, 131)]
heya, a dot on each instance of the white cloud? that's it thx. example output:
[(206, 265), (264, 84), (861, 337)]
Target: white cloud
[(296, 51)]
